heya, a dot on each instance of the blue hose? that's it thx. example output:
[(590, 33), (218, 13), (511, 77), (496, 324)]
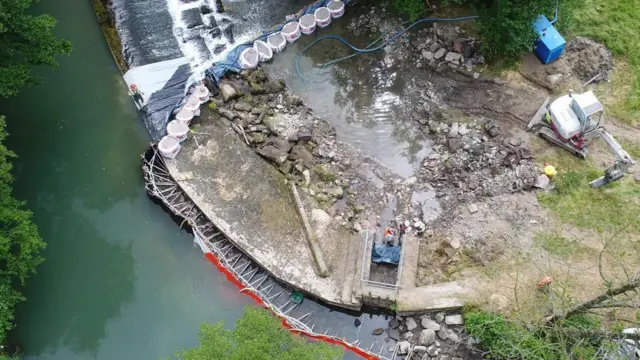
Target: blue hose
[(368, 49)]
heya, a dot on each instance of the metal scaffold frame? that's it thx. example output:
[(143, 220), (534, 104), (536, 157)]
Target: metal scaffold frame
[(249, 276)]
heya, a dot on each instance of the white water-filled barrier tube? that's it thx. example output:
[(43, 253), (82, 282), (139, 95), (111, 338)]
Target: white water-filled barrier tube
[(169, 147), (202, 93), (291, 31), (336, 7), (178, 129), (249, 58), (307, 24), (322, 16), (193, 105), (264, 51), (184, 116), (276, 42)]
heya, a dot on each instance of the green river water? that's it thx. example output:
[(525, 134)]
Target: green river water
[(121, 280)]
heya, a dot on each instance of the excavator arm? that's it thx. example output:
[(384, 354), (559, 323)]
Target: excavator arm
[(622, 164)]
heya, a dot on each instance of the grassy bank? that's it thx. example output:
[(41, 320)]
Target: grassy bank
[(615, 23), (577, 203), (108, 27)]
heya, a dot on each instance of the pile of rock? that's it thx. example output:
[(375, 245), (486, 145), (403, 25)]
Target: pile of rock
[(439, 335), (447, 45), (589, 59), (277, 125), (473, 159)]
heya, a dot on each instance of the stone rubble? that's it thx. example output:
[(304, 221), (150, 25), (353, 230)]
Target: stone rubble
[(443, 46), (432, 335), (278, 126), (467, 164)]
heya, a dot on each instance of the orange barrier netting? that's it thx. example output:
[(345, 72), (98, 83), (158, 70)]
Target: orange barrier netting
[(229, 275)]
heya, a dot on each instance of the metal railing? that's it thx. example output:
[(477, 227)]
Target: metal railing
[(161, 185), (364, 275)]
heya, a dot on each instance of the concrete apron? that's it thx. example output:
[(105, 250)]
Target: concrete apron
[(308, 318), (252, 224)]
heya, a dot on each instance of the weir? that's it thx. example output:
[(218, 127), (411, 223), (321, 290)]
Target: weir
[(241, 210), (308, 318)]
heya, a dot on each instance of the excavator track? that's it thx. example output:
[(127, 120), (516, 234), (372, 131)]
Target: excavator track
[(548, 134)]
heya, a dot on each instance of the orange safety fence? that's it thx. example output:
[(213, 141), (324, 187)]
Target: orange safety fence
[(312, 336)]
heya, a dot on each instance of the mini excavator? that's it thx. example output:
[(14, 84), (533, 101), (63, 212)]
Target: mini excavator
[(572, 122)]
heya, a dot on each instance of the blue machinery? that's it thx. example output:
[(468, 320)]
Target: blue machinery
[(550, 44)]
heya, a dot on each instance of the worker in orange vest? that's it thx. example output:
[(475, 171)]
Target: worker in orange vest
[(389, 234)]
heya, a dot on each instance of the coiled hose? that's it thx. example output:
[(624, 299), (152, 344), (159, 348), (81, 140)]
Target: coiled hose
[(370, 48)]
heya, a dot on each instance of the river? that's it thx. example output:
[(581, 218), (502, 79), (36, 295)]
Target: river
[(120, 280)]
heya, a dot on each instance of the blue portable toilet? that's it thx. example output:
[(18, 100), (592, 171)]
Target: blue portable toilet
[(550, 44)]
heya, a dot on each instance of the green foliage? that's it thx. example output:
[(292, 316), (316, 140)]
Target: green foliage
[(26, 41), (559, 245), (582, 321), (258, 336), (19, 241), (506, 339), (506, 25), (598, 209), (575, 202), (412, 8), (212, 105)]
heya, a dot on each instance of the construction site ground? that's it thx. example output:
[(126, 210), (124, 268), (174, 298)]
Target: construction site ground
[(251, 202), (494, 235)]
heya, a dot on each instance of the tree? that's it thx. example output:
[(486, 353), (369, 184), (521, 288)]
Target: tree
[(505, 26), (412, 8), (26, 41), (258, 335), (20, 242), (557, 324)]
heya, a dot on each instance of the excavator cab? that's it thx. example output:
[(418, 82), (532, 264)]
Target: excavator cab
[(588, 110)]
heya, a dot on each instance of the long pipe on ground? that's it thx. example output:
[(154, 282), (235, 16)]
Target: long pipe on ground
[(316, 251), (369, 49)]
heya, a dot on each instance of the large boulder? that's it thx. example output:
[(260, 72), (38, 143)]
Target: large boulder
[(226, 113), (404, 347), (279, 143), (242, 106), (273, 87), (228, 92), (440, 53), (427, 337), (192, 18), (453, 320), (299, 152), (411, 323), (430, 324), (453, 57), (274, 154)]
